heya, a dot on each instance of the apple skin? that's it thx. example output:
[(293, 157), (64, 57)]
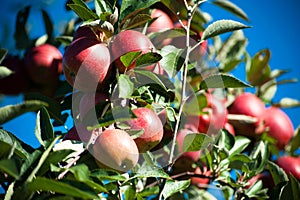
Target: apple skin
[(211, 122), (85, 32), (266, 179), (279, 126), (162, 21), (199, 182), (78, 133), (86, 65), (148, 121), (250, 105), (192, 155), (130, 41), (89, 100), (115, 149), (17, 82), (290, 165), (44, 64), (229, 128)]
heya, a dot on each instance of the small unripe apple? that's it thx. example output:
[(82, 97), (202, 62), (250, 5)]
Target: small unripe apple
[(147, 121), (86, 65), (130, 41), (17, 82), (291, 165), (90, 100), (115, 149), (279, 126), (44, 64), (250, 105)]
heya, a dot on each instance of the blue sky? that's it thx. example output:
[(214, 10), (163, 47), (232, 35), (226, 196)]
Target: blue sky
[(274, 26)]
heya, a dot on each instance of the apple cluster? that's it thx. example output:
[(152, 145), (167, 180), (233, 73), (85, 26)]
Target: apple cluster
[(38, 71)]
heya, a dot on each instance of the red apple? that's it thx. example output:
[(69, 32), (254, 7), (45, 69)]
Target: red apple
[(115, 149), (162, 21), (229, 128), (89, 100), (200, 182), (17, 82), (279, 126), (78, 133), (44, 64), (250, 105), (86, 65), (148, 121), (130, 41), (266, 179), (192, 155), (85, 32), (291, 165), (212, 119)]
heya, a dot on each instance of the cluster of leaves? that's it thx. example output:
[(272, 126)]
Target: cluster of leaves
[(57, 169)]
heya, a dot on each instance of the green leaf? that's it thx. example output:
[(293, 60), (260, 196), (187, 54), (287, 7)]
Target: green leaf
[(136, 21), (129, 192), (196, 142), (145, 77), (9, 112), (231, 7), (64, 39), (222, 81), (220, 27), (81, 172), (225, 140), (148, 58), (259, 155), (239, 145), (45, 184), (103, 175), (3, 53), (146, 171), (5, 72), (41, 160), (278, 175), (129, 6), (83, 12), (288, 103), (258, 70), (172, 187), (9, 166), (8, 141), (21, 36), (292, 189), (126, 86), (43, 129), (294, 145), (172, 59), (130, 57), (48, 24), (102, 6)]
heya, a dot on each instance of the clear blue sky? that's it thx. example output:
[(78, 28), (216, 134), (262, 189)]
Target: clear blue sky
[(274, 24)]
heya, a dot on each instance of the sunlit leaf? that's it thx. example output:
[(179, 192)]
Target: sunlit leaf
[(239, 145), (277, 173), (136, 21), (148, 58), (5, 72), (172, 187), (196, 142), (222, 81), (126, 86), (3, 53), (45, 184), (220, 27), (231, 7), (9, 166), (83, 12), (9, 112), (44, 129)]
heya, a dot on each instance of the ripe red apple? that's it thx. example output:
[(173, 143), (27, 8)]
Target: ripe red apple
[(290, 165), (162, 21), (213, 118), (250, 105), (192, 155), (130, 41), (229, 128), (279, 126), (78, 133), (148, 121), (86, 32), (115, 149), (86, 64), (17, 82), (200, 182), (44, 64), (89, 100)]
